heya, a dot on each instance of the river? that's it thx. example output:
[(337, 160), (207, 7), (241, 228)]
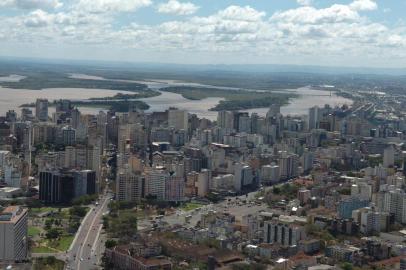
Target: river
[(11, 99)]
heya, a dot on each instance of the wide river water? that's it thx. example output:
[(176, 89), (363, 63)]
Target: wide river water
[(11, 99)]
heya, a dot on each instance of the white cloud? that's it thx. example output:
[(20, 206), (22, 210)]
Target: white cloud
[(104, 6), (246, 13), (306, 32), (178, 8), (364, 5), (304, 2), (32, 4), (38, 18), (311, 15)]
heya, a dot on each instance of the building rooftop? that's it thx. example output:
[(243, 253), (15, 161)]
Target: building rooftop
[(12, 214), (9, 189)]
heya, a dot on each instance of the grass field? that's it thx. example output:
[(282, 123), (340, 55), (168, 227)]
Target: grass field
[(64, 242), (33, 231), (63, 216), (191, 206), (42, 249), (60, 245), (42, 210)]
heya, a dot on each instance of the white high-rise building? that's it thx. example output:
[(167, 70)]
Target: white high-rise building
[(314, 117), (287, 234), (178, 119), (288, 165), (243, 176), (12, 176), (13, 234), (222, 182), (156, 183), (362, 190), (41, 109), (225, 119), (307, 160), (129, 186), (395, 203)]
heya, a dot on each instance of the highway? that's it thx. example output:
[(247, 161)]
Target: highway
[(88, 246)]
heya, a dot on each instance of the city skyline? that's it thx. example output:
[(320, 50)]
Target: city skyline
[(327, 33)]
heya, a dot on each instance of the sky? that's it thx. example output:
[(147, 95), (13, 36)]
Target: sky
[(356, 33)]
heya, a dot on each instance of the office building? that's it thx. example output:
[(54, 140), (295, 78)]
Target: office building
[(68, 136), (156, 183), (345, 207), (41, 110), (389, 156), (56, 187), (178, 119), (129, 186), (13, 234), (85, 183), (287, 234), (288, 165)]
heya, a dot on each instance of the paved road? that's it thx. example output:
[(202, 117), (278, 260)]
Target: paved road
[(87, 249)]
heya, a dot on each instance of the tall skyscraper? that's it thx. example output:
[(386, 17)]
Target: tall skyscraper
[(68, 135), (288, 164), (178, 119), (225, 119), (13, 234), (85, 183), (41, 109), (389, 156), (156, 183), (313, 117), (56, 187), (129, 186)]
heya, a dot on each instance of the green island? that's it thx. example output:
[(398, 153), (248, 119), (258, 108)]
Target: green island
[(51, 79), (233, 99)]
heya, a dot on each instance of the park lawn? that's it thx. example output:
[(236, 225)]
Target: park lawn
[(42, 249), (65, 213), (64, 242), (33, 231), (191, 206), (41, 210), (60, 245), (131, 213)]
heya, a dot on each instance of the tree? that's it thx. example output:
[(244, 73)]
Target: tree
[(347, 266), (251, 266), (78, 211), (48, 224), (276, 190), (53, 233), (110, 243)]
